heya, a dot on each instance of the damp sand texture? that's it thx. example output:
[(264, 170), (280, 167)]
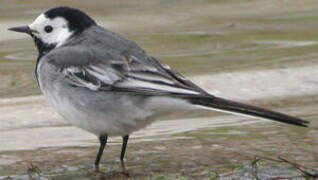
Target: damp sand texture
[(261, 52)]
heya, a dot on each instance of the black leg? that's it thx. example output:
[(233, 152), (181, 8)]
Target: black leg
[(122, 155), (123, 148), (103, 141)]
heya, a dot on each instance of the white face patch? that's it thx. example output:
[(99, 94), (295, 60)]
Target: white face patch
[(58, 35)]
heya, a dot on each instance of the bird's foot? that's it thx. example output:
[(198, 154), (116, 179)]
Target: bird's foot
[(97, 173), (123, 169), (97, 169)]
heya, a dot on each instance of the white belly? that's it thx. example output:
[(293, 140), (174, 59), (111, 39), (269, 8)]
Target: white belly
[(126, 119), (108, 113)]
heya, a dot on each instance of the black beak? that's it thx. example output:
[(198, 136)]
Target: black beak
[(22, 29)]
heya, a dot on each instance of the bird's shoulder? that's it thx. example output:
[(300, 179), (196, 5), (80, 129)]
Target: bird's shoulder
[(94, 46)]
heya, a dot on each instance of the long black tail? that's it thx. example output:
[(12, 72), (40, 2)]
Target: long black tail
[(236, 107)]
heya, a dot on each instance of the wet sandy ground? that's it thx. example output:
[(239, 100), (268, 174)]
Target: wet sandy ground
[(261, 52)]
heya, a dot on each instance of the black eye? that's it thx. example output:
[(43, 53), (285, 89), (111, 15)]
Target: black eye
[(48, 29)]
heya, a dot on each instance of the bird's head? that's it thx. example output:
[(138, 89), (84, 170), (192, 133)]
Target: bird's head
[(54, 27)]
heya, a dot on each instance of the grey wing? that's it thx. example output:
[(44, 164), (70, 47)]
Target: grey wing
[(126, 73)]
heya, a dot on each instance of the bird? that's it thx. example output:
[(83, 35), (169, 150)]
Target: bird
[(109, 86)]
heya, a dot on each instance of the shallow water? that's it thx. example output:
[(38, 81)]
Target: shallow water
[(261, 52)]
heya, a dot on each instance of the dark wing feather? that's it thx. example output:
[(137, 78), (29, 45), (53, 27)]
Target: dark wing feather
[(126, 73)]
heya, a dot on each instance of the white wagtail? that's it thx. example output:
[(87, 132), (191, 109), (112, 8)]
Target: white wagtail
[(107, 85)]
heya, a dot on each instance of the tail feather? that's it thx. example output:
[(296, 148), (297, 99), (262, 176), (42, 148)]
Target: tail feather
[(236, 107)]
